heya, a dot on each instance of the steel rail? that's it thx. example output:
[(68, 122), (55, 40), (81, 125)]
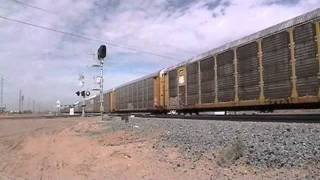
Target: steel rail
[(276, 118)]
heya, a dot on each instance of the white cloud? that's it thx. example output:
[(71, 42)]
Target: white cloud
[(46, 65)]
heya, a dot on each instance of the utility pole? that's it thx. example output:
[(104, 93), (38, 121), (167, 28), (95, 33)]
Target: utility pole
[(58, 107), (102, 53), (22, 102), (101, 89), (81, 78), (28, 106), (33, 106), (19, 101), (39, 108)]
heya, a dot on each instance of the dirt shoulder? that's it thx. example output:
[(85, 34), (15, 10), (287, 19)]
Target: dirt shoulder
[(78, 149), (75, 148)]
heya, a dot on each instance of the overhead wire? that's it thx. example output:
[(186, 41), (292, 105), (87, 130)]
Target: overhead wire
[(48, 11), (85, 37), (32, 6)]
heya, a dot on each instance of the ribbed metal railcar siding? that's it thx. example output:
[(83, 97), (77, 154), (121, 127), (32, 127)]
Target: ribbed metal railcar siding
[(278, 60), (150, 93), (145, 97), (122, 99), (119, 102), (128, 101), (306, 61), (118, 99), (134, 99), (248, 71), (226, 80), (140, 94), (277, 66), (136, 96), (207, 80), (106, 102), (130, 97), (127, 96), (173, 88), (130, 91), (192, 84), (89, 105), (182, 96), (96, 105), (144, 93)]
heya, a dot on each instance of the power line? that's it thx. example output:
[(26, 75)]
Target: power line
[(47, 11), (49, 29), (32, 6), (85, 37)]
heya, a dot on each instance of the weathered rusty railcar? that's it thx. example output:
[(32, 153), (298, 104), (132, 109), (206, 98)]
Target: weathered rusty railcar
[(96, 104), (106, 102), (274, 68), (109, 101), (137, 96), (93, 104), (89, 102)]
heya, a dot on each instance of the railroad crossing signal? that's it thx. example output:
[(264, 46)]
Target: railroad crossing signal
[(102, 52), (83, 93), (87, 93)]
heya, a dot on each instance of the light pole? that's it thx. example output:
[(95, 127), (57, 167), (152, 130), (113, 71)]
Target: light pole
[(81, 79), (101, 89), (102, 53), (58, 107)]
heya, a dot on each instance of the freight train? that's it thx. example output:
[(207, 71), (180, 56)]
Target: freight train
[(276, 68)]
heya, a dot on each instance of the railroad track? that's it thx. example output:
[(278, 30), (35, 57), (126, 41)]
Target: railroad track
[(288, 118)]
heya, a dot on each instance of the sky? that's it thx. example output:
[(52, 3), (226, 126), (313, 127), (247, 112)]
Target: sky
[(46, 65)]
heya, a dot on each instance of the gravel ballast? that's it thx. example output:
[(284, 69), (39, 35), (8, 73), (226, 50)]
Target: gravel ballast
[(258, 144)]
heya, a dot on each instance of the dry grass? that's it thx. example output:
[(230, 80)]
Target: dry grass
[(231, 153)]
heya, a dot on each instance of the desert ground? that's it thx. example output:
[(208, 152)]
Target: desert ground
[(88, 148)]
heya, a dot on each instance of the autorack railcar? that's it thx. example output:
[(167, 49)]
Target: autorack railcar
[(276, 68), (139, 95)]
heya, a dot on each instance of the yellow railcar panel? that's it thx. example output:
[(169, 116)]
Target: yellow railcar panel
[(162, 90), (166, 90)]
